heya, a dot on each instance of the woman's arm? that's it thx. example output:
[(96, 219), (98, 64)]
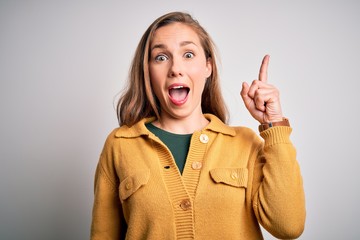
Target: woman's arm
[(278, 196), (107, 215)]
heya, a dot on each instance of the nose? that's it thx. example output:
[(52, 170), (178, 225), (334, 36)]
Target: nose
[(175, 68)]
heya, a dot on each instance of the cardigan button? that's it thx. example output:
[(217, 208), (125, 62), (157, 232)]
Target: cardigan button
[(196, 165), (204, 138), (234, 175), (185, 204), (128, 185)]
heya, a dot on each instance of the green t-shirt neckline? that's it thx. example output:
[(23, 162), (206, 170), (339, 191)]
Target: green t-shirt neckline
[(178, 144)]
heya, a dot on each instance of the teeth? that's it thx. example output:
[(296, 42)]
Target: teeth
[(178, 87)]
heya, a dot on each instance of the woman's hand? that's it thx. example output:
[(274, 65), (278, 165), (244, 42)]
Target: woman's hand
[(262, 99)]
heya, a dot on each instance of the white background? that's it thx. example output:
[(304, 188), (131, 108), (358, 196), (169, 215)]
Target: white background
[(62, 64)]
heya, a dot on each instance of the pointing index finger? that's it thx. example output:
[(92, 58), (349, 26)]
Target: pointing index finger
[(263, 69)]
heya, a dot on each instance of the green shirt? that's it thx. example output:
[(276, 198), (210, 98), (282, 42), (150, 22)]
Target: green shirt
[(178, 144)]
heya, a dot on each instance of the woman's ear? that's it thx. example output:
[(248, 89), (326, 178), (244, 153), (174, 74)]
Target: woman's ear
[(208, 67)]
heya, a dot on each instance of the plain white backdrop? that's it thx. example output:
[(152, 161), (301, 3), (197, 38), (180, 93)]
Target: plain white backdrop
[(62, 64)]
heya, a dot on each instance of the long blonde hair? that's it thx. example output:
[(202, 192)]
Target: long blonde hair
[(138, 100)]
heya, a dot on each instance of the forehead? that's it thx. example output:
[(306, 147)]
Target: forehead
[(175, 33)]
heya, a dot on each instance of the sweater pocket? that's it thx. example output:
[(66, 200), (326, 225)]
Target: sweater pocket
[(132, 183), (236, 177)]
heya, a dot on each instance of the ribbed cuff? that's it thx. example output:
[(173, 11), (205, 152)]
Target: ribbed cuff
[(276, 135)]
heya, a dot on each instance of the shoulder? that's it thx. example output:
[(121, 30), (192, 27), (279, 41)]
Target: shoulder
[(246, 135), (125, 131), (245, 131), (237, 132), (110, 140)]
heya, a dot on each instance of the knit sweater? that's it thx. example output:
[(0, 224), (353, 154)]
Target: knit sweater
[(232, 182)]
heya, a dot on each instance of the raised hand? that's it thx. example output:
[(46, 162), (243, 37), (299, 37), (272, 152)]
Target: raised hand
[(262, 99)]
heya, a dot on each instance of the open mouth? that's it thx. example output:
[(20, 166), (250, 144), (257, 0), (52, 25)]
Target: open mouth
[(178, 94)]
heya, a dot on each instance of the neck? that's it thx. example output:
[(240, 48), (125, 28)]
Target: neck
[(182, 125)]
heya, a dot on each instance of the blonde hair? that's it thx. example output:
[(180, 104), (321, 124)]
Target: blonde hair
[(138, 100)]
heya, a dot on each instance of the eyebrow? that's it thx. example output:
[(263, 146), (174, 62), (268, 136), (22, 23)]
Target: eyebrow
[(163, 46)]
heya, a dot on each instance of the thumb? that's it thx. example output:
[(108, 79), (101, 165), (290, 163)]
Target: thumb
[(244, 94)]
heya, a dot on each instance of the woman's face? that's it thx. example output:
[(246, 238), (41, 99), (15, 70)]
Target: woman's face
[(178, 70)]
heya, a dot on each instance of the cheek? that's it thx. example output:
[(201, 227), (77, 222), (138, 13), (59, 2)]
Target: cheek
[(155, 78), (152, 74), (199, 83), (199, 80), (158, 72), (200, 69), (156, 83), (155, 86)]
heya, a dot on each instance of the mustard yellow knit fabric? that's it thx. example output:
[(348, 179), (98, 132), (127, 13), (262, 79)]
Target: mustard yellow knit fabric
[(233, 181)]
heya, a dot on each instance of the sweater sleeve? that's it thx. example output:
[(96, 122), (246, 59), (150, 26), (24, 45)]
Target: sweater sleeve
[(107, 215), (278, 196)]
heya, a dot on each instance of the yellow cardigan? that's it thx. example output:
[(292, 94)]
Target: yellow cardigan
[(232, 181)]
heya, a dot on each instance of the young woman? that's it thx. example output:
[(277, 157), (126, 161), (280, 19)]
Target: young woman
[(174, 169)]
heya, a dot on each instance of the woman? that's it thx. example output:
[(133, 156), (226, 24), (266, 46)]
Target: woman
[(174, 169)]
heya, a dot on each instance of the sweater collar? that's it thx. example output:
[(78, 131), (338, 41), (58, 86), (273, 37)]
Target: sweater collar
[(216, 125), (139, 129)]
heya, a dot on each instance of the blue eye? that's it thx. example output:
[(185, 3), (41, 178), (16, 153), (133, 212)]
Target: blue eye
[(189, 55), (161, 58)]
